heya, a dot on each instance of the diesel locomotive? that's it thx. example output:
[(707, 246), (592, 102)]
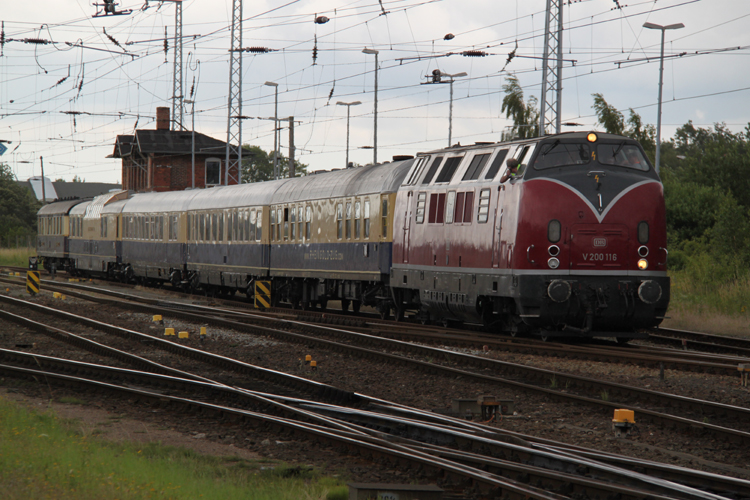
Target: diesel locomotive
[(574, 244)]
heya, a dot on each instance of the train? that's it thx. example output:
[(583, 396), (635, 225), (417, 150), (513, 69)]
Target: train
[(572, 245)]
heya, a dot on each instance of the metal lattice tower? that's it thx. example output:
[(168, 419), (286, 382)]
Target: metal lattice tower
[(177, 95), (234, 117), (550, 107)]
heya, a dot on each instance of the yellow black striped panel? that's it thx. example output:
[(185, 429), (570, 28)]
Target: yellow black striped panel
[(262, 294), (32, 282)]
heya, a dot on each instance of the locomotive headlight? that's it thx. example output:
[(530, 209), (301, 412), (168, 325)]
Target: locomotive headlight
[(553, 263), (591, 137), (643, 264)]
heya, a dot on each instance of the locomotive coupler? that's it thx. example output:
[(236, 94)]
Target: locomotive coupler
[(588, 322)]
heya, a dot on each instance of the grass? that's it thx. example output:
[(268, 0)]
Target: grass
[(713, 307), (43, 457), (16, 256)]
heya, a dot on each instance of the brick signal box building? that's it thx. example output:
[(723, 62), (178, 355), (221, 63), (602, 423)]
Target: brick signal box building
[(161, 159)]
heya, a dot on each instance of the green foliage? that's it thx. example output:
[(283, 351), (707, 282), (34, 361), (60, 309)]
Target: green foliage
[(525, 115), (257, 165), (609, 117), (18, 207)]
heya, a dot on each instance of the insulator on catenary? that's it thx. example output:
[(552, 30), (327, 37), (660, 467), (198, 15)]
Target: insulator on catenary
[(474, 53), (321, 20)]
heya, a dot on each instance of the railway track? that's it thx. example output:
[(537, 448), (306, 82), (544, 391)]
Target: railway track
[(518, 377), (639, 355), (513, 463)]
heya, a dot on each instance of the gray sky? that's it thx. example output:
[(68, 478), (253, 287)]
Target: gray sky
[(67, 101)]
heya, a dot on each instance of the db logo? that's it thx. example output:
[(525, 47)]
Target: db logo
[(600, 242)]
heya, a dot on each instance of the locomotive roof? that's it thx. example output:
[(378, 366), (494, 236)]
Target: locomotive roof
[(562, 136), (59, 208), (384, 178)]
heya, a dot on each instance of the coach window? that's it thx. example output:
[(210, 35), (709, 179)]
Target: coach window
[(273, 224), (484, 206), (339, 220), (300, 222), (496, 164), (348, 220), (367, 218), (308, 220), (220, 217), (293, 223), (384, 218), (213, 172), (286, 223), (357, 218), (450, 207), (259, 226)]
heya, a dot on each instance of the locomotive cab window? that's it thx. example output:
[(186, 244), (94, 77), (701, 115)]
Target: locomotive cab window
[(622, 155)]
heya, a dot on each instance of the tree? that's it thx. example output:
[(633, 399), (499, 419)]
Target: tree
[(608, 116), (524, 114), (257, 165), (18, 207)]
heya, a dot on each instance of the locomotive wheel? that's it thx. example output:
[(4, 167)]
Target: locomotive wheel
[(345, 305), (356, 304), (323, 304)]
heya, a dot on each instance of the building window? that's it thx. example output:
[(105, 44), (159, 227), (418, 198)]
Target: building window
[(213, 172)]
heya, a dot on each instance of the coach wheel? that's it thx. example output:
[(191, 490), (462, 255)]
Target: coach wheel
[(545, 338), (345, 305), (385, 311), (323, 304), (398, 313), (356, 304)]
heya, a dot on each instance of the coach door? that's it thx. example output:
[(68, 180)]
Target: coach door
[(497, 232)]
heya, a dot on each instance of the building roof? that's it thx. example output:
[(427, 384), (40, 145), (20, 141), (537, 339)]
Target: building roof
[(67, 190), (167, 142)]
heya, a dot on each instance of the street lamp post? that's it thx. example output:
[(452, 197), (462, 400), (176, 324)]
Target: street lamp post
[(375, 135), (192, 134), (661, 79), (348, 107), (275, 126)]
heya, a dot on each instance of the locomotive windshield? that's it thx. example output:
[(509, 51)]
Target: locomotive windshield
[(557, 154), (621, 155)]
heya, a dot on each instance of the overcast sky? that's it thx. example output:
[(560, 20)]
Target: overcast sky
[(67, 101)]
